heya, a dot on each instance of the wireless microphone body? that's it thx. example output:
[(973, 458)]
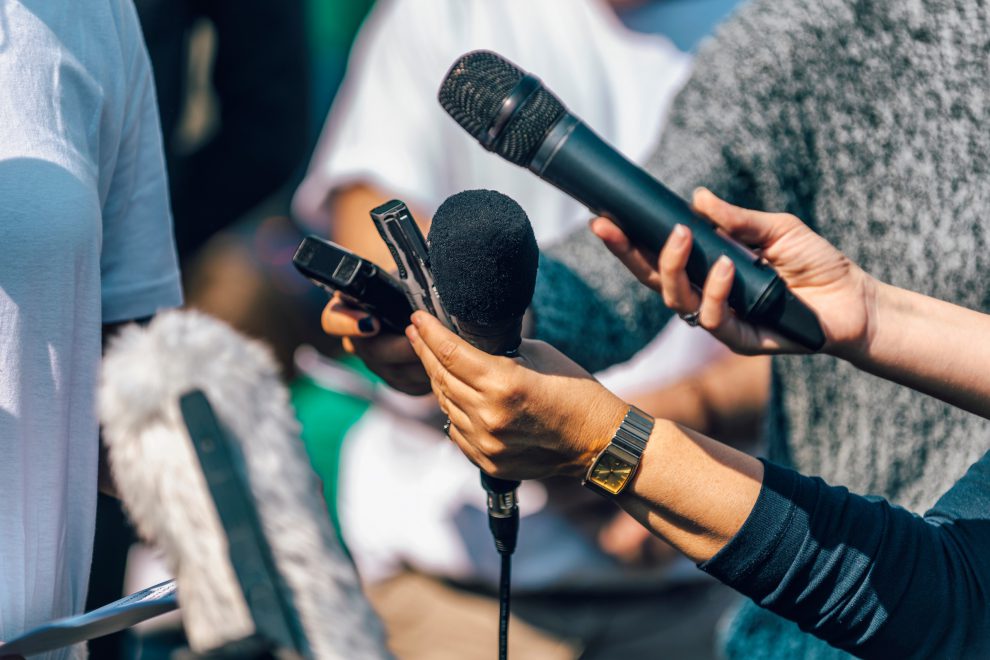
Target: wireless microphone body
[(484, 260), (284, 541), (510, 112)]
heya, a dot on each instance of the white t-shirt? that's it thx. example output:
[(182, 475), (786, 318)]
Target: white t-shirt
[(387, 129), (85, 239)]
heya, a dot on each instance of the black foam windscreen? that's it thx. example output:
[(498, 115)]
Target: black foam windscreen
[(472, 93), (484, 257)]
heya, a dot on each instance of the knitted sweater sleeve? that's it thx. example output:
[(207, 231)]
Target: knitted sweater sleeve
[(867, 577), (727, 130)]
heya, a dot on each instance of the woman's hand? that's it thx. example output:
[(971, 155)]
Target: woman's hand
[(388, 355), (836, 289), (538, 416)]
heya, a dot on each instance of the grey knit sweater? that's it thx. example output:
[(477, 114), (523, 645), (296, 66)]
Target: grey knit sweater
[(869, 120)]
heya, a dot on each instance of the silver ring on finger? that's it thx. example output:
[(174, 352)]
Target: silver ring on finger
[(446, 427), (691, 319)]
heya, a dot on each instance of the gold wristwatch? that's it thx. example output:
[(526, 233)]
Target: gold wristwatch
[(615, 465)]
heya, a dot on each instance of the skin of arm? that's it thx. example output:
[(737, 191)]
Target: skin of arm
[(726, 400), (351, 226)]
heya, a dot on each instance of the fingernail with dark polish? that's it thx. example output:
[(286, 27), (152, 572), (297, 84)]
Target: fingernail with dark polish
[(367, 324)]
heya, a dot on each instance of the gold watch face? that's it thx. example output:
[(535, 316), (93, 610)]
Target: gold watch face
[(610, 473)]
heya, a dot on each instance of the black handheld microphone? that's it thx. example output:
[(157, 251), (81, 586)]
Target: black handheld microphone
[(484, 259), (510, 112)]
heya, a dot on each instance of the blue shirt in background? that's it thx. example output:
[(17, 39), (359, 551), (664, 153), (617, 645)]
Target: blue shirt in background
[(685, 22)]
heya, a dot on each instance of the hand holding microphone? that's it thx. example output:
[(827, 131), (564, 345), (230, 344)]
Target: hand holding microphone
[(836, 289), (512, 114), (542, 415), (484, 260), (538, 416)]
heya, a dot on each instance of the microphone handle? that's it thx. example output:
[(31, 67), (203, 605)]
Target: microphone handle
[(503, 510), (580, 163)]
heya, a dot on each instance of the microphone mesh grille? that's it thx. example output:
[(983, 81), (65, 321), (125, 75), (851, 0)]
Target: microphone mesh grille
[(473, 91), (474, 88)]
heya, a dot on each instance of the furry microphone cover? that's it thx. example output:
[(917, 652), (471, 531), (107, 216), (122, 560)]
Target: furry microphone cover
[(158, 476)]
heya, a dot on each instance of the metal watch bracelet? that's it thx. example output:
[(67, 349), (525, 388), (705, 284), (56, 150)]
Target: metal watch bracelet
[(616, 465)]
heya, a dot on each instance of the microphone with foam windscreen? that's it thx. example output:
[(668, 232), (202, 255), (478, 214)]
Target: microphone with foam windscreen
[(246, 535), (484, 259), (510, 112)]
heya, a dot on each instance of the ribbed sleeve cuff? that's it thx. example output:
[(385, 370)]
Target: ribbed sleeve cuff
[(760, 554)]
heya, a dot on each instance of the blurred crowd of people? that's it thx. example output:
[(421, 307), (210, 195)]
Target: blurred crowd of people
[(861, 118)]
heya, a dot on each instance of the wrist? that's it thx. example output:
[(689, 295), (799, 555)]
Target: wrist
[(892, 313), (858, 341), (601, 420), (878, 304)]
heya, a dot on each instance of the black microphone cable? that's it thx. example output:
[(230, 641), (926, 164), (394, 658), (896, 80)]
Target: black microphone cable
[(503, 521)]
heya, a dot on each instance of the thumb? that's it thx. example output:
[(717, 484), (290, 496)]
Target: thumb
[(753, 228)]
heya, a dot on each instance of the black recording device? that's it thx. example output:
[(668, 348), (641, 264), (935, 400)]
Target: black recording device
[(398, 228), (511, 113), (361, 282)]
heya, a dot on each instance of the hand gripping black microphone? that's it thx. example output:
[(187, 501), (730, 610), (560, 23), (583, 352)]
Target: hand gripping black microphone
[(484, 259), (510, 112)]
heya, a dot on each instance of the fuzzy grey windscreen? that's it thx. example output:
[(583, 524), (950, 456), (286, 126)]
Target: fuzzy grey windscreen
[(472, 93), (484, 257)]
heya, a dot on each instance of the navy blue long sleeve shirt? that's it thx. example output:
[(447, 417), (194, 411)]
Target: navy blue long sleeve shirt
[(863, 575)]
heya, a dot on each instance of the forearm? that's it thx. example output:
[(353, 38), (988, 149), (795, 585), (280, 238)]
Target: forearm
[(694, 492), (931, 346), (350, 224), (860, 573)]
